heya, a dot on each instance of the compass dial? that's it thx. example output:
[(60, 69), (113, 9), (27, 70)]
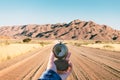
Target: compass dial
[(60, 50)]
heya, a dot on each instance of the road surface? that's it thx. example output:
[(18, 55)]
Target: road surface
[(88, 64)]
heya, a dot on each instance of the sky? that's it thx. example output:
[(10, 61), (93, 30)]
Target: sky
[(22, 12)]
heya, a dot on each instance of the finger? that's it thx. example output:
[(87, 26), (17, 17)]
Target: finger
[(69, 70), (68, 56), (70, 67), (51, 58)]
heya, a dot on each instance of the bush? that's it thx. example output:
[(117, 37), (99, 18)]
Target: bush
[(98, 41), (26, 40), (6, 42), (77, 44)]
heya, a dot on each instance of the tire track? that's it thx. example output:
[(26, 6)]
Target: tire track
[(84, 70), (114, 68), (88, 62), (20, 69)]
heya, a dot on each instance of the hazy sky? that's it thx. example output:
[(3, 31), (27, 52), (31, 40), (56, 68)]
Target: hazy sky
[(18, 12)]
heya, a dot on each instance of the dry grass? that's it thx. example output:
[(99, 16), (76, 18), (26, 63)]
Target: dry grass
[(12, 48), (79, 42), (106, 46)]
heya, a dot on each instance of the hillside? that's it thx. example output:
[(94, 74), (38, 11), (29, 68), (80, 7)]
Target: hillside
[(77, 29)]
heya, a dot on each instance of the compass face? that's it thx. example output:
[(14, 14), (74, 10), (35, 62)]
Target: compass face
[(60, 50)]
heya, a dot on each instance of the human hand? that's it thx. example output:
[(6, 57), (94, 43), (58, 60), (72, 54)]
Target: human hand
[(52, 66)]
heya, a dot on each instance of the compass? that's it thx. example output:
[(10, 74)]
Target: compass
[(60, 51)]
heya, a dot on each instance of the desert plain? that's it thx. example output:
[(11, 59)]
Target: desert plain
[(91, 61)]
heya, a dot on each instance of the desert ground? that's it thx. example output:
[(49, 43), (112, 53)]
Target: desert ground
[(88, 63)]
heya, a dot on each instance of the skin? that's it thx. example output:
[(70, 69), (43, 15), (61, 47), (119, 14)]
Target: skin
[(52, 66)]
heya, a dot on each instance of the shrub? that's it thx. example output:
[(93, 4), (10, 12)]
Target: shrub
[(77, 44), (6, 42), (8, 57), (42, 43), (98, 41), (26, 40)]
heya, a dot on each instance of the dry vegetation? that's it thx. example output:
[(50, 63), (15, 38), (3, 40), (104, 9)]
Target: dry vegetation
[(107, 45), (12, 48)]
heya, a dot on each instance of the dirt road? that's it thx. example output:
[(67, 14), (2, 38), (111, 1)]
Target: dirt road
[(88, 64)]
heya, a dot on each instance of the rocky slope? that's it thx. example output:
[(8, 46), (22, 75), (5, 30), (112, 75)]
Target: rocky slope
[(76, 29)]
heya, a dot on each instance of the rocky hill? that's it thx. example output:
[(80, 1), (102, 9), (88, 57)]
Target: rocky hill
[(77, 29)]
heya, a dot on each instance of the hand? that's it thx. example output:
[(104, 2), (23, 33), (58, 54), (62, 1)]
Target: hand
[(52, 66)]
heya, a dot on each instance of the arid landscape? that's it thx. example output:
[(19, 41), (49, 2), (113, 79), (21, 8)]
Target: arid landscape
[(88, 30), (88, 63), (24, 50)]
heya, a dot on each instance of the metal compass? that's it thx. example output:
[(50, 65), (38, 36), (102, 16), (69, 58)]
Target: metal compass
[(60, 51)]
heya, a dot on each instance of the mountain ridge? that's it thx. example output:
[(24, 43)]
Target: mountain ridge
[(76, 30)]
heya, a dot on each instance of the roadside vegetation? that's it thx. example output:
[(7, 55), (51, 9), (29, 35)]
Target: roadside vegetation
[(13, 48), (107, 45)]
